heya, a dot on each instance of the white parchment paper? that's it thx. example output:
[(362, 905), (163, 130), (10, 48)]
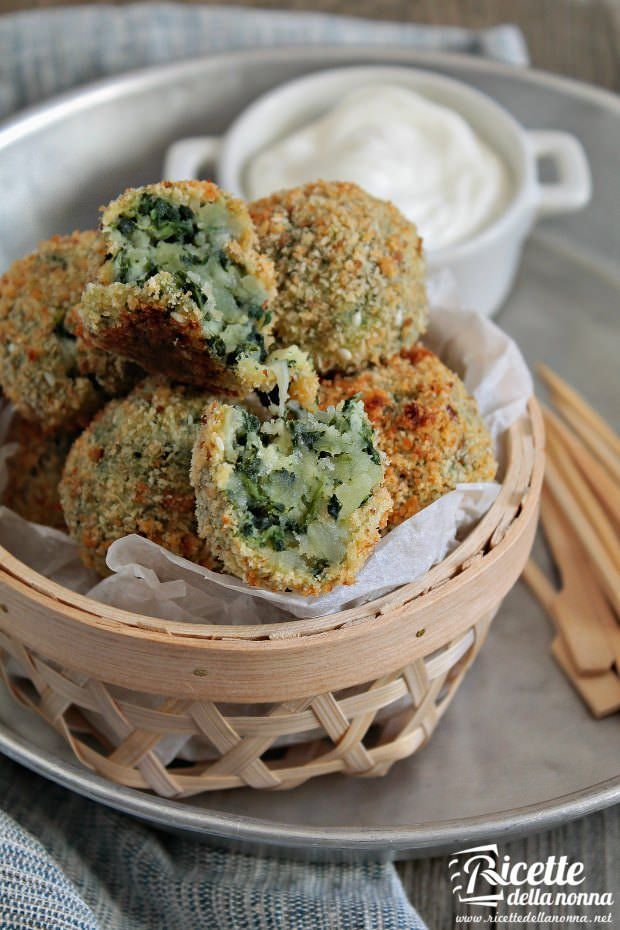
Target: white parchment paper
[(150, 580)]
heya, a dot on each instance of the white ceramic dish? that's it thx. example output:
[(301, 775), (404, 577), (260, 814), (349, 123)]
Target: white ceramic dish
[(484, 264)]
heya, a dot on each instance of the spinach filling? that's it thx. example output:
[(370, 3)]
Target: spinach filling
[(157, 235), (297, 479)]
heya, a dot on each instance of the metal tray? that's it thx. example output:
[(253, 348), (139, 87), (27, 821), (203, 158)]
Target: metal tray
[(516, 751)]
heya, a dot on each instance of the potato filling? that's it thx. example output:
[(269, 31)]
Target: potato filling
[(286, 374), (294, 481), (157, 235)]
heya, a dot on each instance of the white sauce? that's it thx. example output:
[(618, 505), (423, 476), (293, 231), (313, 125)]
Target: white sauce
[(398, 146)]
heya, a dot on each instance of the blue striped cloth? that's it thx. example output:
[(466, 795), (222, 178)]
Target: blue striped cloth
[(70, 864), (67, 863), (44, 52)]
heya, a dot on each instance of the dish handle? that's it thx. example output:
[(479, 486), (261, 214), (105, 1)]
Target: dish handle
[(187, 158), (573, 187)]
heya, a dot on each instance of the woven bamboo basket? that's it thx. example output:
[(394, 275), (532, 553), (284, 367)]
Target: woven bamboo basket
[(273, 705)]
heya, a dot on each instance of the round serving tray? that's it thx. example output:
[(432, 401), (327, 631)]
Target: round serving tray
[(516, 751)]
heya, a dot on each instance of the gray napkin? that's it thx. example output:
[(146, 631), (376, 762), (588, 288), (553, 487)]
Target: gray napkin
[(43, 52)]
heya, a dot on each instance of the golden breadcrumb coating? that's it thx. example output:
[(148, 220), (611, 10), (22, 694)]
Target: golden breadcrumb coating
[(349, 271), (292, 503), (129, 473), (115, 375), (428, 426), (34, 472), (184, 291), (43, 370)]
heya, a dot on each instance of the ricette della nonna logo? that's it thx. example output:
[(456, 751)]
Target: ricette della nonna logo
[(481, 876)]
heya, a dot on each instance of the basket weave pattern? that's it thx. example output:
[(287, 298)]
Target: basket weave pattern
[(272, 705)]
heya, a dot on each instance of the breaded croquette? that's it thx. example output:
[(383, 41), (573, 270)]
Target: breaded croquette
[(349, 272), (115, 375), (34, 471), (295, 502), (427, 424), (183, 291), (42, 369), (129, 473)]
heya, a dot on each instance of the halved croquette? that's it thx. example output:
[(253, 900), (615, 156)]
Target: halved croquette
[(294, 502), (115, 375), (183, 291), (42, 368), (428, 425), (349, 272), (129, 473)]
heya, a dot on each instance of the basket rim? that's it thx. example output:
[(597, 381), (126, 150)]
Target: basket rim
[(90, 611)]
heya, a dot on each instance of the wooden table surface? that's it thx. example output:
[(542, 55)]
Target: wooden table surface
[(580, 38)]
